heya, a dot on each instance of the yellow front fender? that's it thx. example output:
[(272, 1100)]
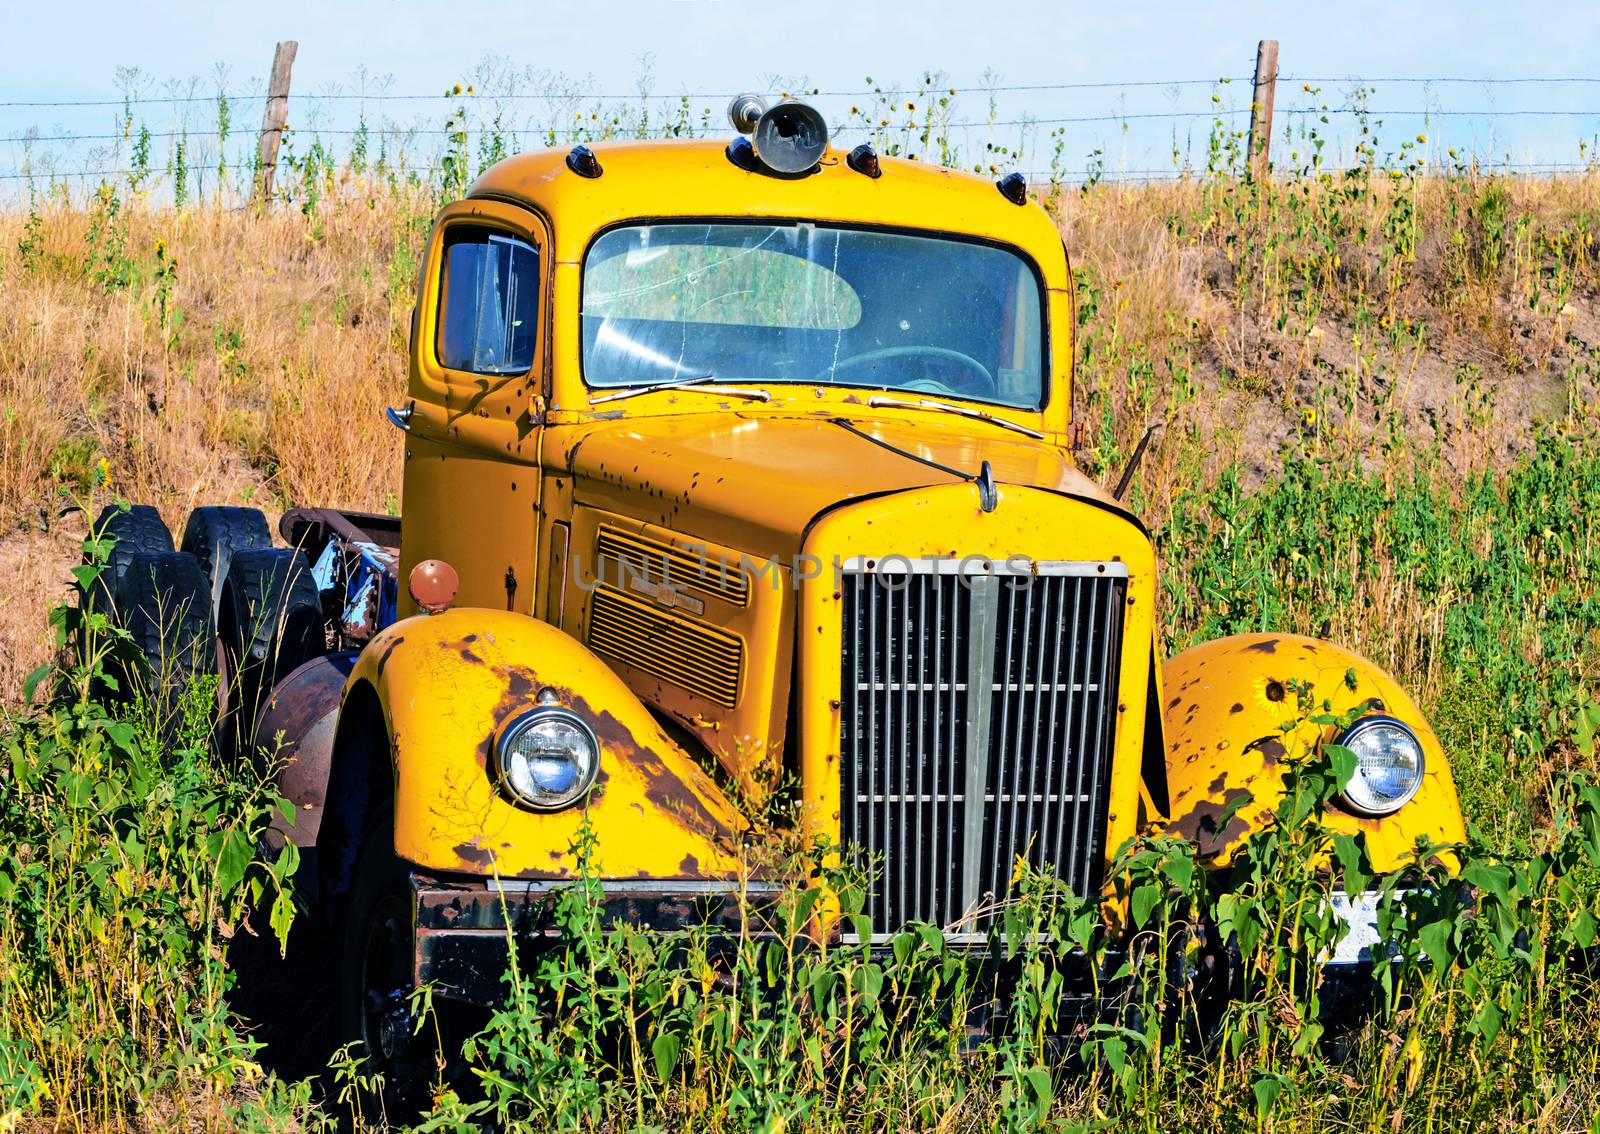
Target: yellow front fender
[(448, 683), (1225, 703)]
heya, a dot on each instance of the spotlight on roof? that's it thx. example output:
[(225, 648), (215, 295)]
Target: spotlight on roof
[(745, 111), (790, 137)]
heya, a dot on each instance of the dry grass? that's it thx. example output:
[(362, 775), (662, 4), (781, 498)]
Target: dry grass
[(245, 356), (283, 340), (1228, 315)]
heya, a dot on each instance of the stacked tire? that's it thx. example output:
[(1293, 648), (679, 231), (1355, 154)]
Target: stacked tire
[(160, 597), (227, 603), (269, 623)]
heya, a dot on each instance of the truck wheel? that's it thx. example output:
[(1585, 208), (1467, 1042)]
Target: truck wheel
[(270, 622), (376, 946), (212, 535), (137, 531)]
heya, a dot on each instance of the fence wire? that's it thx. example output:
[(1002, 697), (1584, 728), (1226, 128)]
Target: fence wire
[(981, 137)]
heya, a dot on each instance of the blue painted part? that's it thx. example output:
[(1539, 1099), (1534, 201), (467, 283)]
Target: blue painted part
[(372, 568), (324, 571)]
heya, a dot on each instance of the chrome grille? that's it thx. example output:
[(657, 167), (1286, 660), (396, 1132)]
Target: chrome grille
[(977, 724)]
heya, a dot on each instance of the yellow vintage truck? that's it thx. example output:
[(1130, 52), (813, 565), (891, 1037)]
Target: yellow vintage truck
[(726, 458)]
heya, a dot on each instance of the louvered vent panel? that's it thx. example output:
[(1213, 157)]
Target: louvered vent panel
[(704, 661), (662, 564)]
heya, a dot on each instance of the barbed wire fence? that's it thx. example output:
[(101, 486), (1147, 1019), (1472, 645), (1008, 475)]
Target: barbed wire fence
[(182, 141)]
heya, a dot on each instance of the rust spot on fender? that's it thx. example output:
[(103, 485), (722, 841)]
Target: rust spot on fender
[(689, 865), (673, 795), (1199, 825), (383, 658), (474, 854), (1237, 708), (1270, 646), (1219, 783), (1270, 747)]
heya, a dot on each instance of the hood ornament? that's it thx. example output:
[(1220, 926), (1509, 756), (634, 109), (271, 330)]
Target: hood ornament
[(988, 494)]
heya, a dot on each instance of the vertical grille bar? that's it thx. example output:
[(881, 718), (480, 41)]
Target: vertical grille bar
[(907, 630), (887, 782), (919, 897), (1001, 774), (1050, 818), (1086, 705), (980, 705), (868, 817), (1090, 854)]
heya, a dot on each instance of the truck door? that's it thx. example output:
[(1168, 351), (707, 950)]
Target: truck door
[(477, 382)]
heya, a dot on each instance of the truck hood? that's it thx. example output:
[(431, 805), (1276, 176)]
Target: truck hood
[(757, 482)]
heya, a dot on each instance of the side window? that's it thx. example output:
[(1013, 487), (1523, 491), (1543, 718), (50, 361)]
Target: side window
[(488, 303)]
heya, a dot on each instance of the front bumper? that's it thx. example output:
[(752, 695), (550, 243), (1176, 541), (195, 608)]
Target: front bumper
[(465, 929)]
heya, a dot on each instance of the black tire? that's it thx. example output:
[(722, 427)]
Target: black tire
[(166, 610), (376, 944), (137, 530), (213, 534), (165, 607), (270, 622)]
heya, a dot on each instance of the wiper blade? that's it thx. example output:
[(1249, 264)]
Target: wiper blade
[(635, 391), (699, 381), (960, 411)]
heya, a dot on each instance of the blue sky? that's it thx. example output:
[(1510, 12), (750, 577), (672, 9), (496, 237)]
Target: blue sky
[(73, 51)]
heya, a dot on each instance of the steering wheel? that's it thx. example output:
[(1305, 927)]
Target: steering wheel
[(983, 386)]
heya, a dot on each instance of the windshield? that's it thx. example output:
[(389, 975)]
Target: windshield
[(805, 303)]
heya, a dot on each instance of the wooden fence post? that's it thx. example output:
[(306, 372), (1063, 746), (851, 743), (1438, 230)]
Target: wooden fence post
[(272, 120), (1266, 87)]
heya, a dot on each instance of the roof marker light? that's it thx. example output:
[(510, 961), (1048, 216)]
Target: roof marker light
[(1014, 188), (743, 155), (583, 162), (864, 159)]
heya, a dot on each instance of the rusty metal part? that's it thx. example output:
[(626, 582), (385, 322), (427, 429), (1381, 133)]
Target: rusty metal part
[(461, 927), (310, 529), (359, 620), (433, 584), (1133, 461), (297, 729)]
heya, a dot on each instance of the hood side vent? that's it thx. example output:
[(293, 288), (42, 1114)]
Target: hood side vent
[(686, 653), (625, 557)]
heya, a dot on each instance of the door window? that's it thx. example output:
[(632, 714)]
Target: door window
[(489, 301)]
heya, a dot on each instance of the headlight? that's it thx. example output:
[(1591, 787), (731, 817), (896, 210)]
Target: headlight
[(548, 758), (1388, 765)]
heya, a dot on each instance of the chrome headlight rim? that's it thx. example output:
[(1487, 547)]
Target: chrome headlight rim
[(521, 724), (1353, 733)]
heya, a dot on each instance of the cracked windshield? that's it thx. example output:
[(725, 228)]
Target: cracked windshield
[(806, 303)]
